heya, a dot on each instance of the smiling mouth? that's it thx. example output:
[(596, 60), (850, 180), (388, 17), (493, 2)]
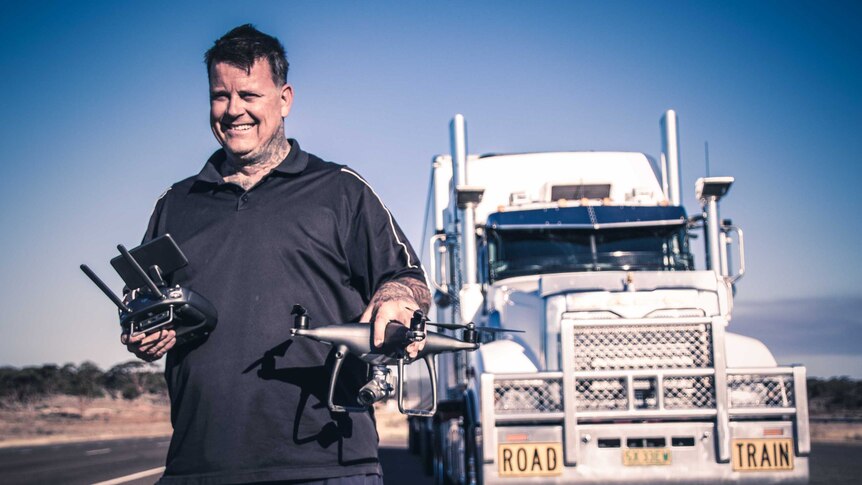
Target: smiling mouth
[(237, 128)]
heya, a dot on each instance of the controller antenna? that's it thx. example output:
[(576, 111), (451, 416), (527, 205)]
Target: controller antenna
[(107, 291), (141, 273)]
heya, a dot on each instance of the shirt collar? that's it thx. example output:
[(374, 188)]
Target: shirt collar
[(294, 163)]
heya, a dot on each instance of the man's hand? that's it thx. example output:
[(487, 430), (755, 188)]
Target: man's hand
[(150, 347), (395, 301)]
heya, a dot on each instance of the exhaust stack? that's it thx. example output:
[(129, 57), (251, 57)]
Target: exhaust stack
[(709, 191), (670, 157), (465, 198)]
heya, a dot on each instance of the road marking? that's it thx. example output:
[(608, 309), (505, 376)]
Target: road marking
[(163, 443), (100, 451), (133, 476)]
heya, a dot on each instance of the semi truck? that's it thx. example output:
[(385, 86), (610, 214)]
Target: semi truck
[(626, 371)]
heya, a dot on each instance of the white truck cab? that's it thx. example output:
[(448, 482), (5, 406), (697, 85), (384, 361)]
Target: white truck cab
[(625, 371)]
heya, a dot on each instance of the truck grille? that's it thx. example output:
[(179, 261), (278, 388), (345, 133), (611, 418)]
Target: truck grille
[(610, 394), (641, 369), (760, 391), (619, 347), (601, 394), (688, 392), (528, 396)]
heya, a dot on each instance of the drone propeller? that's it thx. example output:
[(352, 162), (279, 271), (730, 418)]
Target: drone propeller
[(498, 330), (472, 326), (448, 326)]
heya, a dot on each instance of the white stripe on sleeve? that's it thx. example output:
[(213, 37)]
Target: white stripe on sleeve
[(389, 214)]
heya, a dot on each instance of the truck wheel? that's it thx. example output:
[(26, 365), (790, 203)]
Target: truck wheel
[(426, 449), (413, 436), (473, 459), (439, 465), (440, 477)]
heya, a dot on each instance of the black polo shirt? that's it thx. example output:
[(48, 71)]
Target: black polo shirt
[(249, 403)]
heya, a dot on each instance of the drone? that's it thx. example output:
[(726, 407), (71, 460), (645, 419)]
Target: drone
[(153, 304), (356, 339)]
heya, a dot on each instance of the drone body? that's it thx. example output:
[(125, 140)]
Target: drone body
[(356, 339)]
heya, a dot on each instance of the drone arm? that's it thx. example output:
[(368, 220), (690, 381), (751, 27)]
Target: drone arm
[(436, 343), (432, 372)]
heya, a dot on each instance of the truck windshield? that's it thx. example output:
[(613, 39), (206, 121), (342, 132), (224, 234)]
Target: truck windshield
[(519, 252)]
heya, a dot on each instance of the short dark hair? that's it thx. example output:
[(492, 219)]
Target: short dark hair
[(244, 45)]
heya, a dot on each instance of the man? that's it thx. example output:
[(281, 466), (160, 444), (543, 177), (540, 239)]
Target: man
[(266, 225)]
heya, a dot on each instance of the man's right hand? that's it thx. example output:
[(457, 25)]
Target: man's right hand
[(150, 347)]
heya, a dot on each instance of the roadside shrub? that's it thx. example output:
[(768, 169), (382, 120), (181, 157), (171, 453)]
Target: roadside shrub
[(29, 385)]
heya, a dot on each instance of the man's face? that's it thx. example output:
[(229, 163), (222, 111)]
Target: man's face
[(247, 110)]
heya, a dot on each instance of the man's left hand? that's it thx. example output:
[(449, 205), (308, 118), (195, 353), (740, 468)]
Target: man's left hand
[(395, 301)]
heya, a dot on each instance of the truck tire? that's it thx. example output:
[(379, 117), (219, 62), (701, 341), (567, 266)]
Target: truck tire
[(413, 435), (439, 463), (426, 449), (472, 453)]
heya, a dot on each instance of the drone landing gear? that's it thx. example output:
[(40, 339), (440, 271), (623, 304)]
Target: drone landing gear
[(377, 388)]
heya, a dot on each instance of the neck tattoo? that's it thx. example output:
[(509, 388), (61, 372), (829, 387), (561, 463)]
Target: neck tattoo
[(247, 174)]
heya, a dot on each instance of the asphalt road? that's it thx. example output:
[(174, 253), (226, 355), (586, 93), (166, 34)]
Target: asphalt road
[(139, 461), (82, 463), (836, 464)]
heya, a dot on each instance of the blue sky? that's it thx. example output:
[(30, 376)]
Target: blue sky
[(106, 105)]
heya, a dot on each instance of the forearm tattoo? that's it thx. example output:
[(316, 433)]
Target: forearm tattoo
[(403, 289)]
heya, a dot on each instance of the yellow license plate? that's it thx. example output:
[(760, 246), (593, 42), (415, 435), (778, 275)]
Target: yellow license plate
[(766, 454), (529, 459), (646, 456)]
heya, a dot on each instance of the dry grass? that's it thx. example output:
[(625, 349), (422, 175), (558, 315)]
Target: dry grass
[(62, 419), (836, 432), (66, 419)]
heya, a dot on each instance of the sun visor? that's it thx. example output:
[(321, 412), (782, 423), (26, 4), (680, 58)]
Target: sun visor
[(588, 217)]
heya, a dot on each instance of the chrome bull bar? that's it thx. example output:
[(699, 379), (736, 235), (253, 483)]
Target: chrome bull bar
[(573, 396)]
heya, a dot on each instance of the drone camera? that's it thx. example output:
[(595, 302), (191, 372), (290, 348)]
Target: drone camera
[(377, 389)]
